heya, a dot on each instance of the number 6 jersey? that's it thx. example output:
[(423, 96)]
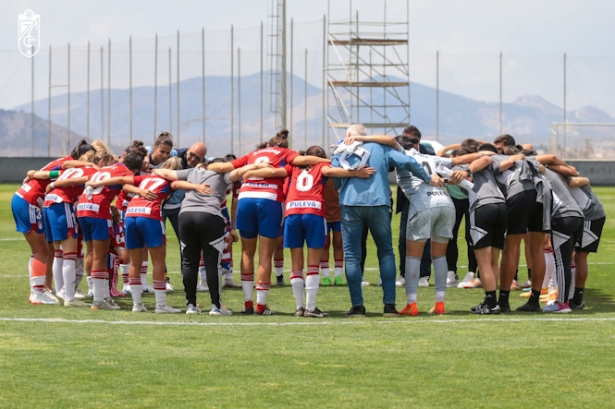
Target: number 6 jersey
[(306, 191)]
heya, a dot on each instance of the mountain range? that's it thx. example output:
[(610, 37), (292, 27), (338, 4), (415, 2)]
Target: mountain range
[(528, 118)]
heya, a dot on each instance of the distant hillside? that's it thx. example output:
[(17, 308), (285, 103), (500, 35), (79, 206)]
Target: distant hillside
[(528, 118), (16, 136)]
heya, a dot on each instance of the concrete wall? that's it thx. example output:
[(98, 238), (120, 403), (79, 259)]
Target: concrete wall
[(13, 170), (600, 172)]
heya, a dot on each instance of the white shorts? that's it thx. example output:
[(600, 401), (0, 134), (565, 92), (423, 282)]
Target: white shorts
[(435, 223)]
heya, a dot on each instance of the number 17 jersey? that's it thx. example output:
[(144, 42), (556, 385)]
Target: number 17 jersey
[(140, 207), (421, 194)]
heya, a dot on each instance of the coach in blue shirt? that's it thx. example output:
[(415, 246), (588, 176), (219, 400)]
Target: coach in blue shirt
[(367, 202)]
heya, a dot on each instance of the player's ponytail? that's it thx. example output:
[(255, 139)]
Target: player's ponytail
[(82, 147)]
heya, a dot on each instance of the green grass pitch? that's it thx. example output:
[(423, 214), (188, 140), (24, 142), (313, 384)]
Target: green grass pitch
[(56, 357)]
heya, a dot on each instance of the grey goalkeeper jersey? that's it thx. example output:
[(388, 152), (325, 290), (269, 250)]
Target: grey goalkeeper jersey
[(588, 202), (516, 179), (197, 202), (485, 189), (564, 204), (420, 193)]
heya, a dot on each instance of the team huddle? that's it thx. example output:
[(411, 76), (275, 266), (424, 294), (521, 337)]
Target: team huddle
[(118, 206)]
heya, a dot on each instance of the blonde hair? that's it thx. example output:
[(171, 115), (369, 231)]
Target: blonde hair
[(101, 147), (90, 156), (174, 163), (107, 159)]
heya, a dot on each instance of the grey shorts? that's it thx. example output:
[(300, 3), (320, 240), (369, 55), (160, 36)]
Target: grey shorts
[(435, 223)]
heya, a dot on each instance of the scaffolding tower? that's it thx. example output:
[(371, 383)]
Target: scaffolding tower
[(367, 71)]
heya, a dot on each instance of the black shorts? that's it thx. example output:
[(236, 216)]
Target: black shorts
[(524, 213), (590, 239), (571, 227), (488, 226)]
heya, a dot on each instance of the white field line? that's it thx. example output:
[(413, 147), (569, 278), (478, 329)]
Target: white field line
[(310, 322)]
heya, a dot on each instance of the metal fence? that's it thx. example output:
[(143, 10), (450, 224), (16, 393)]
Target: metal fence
[(216, 87)]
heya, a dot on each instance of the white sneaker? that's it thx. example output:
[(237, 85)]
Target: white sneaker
[(165, 309), (424, 281), (61, 294), (401, 282), (104, 305), (202, 287), (451, 279), (473, 283), (364, 283), (38, 297), (192, 310), (466, 280), (526, 284), (148, 289), (76, 303), (52, 296), (139, 308), (169, 286), (111, 304), (379, 281), (229, 283), (215, 311), (80, 295), (126, 288)]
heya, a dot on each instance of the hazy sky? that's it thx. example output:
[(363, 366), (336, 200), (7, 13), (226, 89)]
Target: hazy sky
[(469, 34)]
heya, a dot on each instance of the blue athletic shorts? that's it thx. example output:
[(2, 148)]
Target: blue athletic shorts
[(142, 231), (334, 226), (308, 227), (59, 220), (27, 217), (94, 228), (257, 216)]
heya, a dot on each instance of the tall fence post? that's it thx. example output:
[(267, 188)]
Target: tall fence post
[(68, 97), (102, 95), (170, 94), (261, 104), (501, 93), (130, 84), (32, 115), (87, 120), (239, 139), (155, 85), (232, 92), (49, 108), (109, 97), (178, 100), (305, 100), (203, 78), (565, 155), (290, 122), (437, 95), (324, 66)]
